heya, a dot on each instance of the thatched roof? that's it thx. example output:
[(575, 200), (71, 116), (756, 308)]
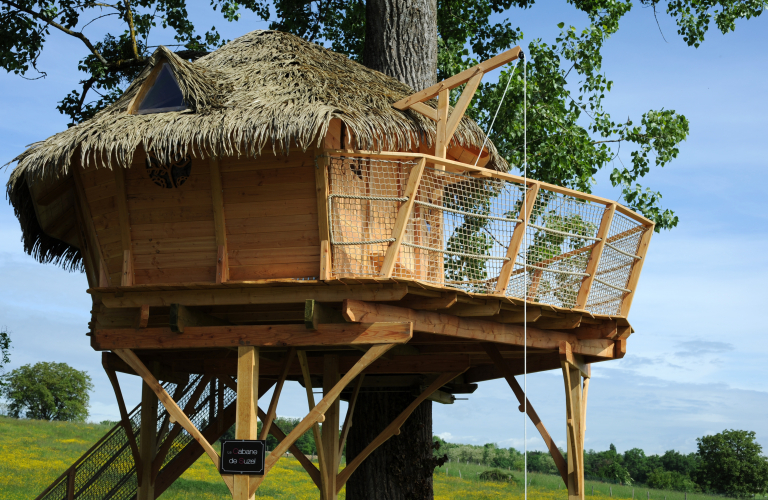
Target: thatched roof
[(264, 90)]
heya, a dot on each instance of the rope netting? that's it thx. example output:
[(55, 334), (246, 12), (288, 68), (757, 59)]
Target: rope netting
[(459, 231), (109, 472)]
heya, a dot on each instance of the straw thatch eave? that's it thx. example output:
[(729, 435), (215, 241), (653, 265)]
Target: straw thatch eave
[(263, 90)]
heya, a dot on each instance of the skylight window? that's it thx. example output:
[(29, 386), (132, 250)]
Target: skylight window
[(165, 94)]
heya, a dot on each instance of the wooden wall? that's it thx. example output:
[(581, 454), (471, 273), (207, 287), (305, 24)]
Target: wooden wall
[(270, 214)]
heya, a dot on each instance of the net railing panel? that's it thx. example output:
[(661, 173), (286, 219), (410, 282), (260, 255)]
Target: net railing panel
[(109, 472), (459, 231)]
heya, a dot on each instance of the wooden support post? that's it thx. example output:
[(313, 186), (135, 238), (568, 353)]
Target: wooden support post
[(71, 483), (330, 435), (441, 141), (637, 267), (217, 196), (403, 214), (573, 404), (318, 413), (349, 415), (148, 439), (516, 241), (315, 427), (121, 200), (392, 429), (594, 257), (124, 420), (525, 405), (173, 409), (247, 402), (266, 422), (321, 186)]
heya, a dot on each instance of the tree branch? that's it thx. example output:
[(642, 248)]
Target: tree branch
[(129, 18), (60, 27)]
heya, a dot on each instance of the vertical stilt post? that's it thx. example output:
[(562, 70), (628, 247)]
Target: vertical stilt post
[(330, 428), (573, 403), (147, 441), (247, 401)]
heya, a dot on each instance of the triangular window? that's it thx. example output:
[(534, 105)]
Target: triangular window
[(165, 94)]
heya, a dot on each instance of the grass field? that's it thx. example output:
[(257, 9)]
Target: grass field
[(34, 453)]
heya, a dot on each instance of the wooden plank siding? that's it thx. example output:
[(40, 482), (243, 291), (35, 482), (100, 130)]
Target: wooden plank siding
[(271, 211)]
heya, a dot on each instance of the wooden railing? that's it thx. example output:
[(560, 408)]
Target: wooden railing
[(417, 216)]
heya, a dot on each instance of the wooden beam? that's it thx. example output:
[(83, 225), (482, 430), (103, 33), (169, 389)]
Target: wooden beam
[(316, 314), (148, 442), (314, 416), (330, 434), (460, 78), (446, 300), (568, 321), (461, 106), (348, 417), (144, 316), (401, 222), (247, 402), (573, 394), (485, 308), (314, 472), (392, 429), (254, 335), (183, 317), (475, 329), (441, 140), (254, 295), (125, 421), (170, 405), (321, 188), (637, 267), (532, 316), (272, 410), (525, 405), (425, 110), (121, 200), (516, 240), (574, 360), (219, 222), (315, 427), (594, 257)]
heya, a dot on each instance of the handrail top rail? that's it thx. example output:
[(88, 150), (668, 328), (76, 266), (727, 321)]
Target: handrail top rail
[(459, 167)]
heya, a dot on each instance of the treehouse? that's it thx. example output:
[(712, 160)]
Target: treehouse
[(274, 211)]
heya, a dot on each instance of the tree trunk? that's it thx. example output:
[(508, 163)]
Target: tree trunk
[(401, 468), (401, 40)]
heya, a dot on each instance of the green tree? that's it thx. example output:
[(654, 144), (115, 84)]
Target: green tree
[(5, 349), (47, 391), (732, 464), (671, 480)]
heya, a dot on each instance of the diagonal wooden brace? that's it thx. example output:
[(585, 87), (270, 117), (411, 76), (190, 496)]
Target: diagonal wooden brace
[(173, 409), (495, 355), (314, 416), (272, 410), (392, 429), (313, 471)]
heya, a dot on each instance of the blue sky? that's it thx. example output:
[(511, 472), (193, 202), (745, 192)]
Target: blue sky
[(696, 364)]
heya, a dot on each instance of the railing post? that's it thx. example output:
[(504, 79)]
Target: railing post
[(594, 256), (516, 240), (637, 266), (71, 483), (401, 223)]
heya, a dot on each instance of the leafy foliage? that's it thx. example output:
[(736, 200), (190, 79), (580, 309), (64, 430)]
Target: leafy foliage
[(47, 391), (5, 348), (732, 464), (570, 134)]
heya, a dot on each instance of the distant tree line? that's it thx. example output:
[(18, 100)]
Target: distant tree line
[(729, 463)]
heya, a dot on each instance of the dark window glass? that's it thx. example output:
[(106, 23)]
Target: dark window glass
[(165, 94)]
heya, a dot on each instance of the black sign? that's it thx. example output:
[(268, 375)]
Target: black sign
[(243, 456)]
